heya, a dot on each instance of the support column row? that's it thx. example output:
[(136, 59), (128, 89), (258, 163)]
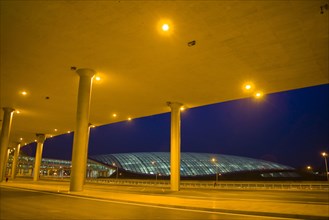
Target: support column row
[(81, 138)]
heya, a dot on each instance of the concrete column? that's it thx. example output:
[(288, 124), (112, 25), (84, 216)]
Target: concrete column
[(38, 156), (86, 154), (6, 163), (175, 146), (4, 139), (15, 161), (80, 142)]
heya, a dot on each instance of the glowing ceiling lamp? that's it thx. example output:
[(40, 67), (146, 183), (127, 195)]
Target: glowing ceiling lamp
[(165, 27)]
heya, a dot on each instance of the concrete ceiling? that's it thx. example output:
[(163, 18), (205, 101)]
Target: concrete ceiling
[(278, 45)]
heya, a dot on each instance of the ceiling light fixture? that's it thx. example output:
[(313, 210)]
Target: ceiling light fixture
[(165, 27), (259, 95), (248, 86)]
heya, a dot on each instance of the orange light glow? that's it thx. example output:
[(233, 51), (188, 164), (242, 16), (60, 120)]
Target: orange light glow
[(165, 27), (248, 86), (259, 95)]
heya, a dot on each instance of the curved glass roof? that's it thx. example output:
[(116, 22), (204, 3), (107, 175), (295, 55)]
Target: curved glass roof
[(192, 164)]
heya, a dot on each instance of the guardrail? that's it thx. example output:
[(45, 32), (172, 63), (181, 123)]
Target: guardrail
[(219, 185)]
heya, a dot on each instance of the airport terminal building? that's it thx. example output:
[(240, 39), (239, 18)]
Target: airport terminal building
[(149, 165), (194, 166)]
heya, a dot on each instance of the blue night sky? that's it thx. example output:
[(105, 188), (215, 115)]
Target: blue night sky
[(290, 128)]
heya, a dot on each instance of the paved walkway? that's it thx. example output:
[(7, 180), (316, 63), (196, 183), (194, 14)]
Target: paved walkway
[(184, 199)]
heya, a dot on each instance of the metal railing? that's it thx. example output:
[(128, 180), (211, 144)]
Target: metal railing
[(219, 185)]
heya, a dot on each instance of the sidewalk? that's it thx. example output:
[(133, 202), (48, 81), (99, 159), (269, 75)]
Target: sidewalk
[(163, 197)]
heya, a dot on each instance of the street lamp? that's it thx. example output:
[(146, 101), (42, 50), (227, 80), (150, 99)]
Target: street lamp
[(214, 161), (156, 170), (325, 155), (117, 170)]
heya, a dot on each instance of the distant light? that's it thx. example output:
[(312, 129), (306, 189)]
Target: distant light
[(165, 27), (182, 108), (324, 154), (129, 119), (93, 126), (25, 143), (68, 132), (114, 115), (248, 86), (51, 136), (259, 95), (213, 159), (24, 93), (17, 111), (98, 78), (55, 129), (309, 167), (21, 139), (35, 140)]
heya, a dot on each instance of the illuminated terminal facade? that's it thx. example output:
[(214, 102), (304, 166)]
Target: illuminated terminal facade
[(195, 166), (55, 168), (157, 164)]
